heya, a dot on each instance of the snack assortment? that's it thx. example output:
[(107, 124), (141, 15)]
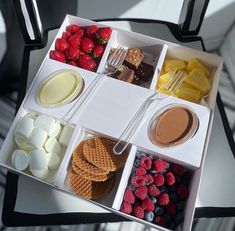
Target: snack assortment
[(81, 46), (157, 191), (93, 167), (134, 69), (41, 145), (196, 82), (40, 141)]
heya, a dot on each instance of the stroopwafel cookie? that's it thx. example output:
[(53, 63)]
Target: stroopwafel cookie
[(99, 152), (90, 189), (89, 176), (80, 161)]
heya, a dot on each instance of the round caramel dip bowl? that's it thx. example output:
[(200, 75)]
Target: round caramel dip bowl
[(173, 125)]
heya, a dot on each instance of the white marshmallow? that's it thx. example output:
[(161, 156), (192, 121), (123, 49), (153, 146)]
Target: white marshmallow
[(52, 145), (41, 174), (53, 161), (46, 123), (66, 135), (37, 139), (20, 160), (20, 141), (38, 160), (57, 130), (24, 127)]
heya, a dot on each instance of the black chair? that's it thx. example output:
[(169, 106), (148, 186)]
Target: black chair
[(183, 33)]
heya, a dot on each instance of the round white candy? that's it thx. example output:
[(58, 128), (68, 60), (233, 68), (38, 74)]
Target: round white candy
[(66, 135), (38, 160), (46, 123), (41, 174), (53, 161), (37, 139), (24, 127), (52, 145), (20, 160), (21, 142), (56, 130)]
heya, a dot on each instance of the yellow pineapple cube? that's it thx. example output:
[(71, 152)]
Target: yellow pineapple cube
[(188, 93), (198, 80), (174, 64), (162, 79), (195, 63)]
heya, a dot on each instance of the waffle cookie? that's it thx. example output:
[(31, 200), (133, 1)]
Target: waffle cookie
[(89, 176), (90, 189), (80, 161), (99, 152)]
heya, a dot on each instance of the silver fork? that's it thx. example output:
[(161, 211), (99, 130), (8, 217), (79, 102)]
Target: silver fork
[(172, 85), (112, 65)]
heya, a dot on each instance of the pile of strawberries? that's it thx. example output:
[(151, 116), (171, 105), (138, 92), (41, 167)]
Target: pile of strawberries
[(81, 46), (157, 191)]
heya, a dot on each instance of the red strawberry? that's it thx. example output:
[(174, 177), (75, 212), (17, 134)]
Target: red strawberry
[(98, 51), (61, 44), (66, 35), (57, 55), (73, 28), (72, 62), (74, 40), (72, 53), (91, 31), (103, 34), (87, 45), (80, 32), (86, 62)]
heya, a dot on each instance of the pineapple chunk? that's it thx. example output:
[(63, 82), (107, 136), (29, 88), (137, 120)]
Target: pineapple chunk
[(198, 80), (188, 93), (162, 79), (194, 63), (174, 64)]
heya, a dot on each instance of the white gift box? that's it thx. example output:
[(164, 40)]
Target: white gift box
[(111, 107)]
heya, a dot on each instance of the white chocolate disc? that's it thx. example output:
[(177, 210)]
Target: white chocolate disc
[(66, 135), (53, 161), (41, 174), (24, 127), (52, 145), (37, 139), (38, 160)]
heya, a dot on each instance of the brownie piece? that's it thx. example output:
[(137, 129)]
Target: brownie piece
[(126, 74), (133, 58), (145, 71)]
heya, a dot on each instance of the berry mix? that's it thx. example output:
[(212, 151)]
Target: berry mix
[(81, 46), (157, 191)]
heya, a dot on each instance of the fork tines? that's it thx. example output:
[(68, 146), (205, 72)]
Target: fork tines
[(117, 57)]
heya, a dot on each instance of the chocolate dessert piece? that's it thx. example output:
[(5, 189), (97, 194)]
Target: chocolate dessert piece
[(144, 71), (133, 58), (126, 74)]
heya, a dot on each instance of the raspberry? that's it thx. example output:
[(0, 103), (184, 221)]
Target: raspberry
[(126, 208), (159, 220), (159, 179), (163, 199), (153, 190), (141, 192), (129, 196), (147, 204), (182, 191), (148, 179), (178, 169), (140, 171), (146, 162), (171, 208), (138, 181), (170, 178), (160, 165), (137, 211)]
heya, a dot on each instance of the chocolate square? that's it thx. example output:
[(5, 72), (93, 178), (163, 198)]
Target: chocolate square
[(144, 72), (133, 58), (126, 74)]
